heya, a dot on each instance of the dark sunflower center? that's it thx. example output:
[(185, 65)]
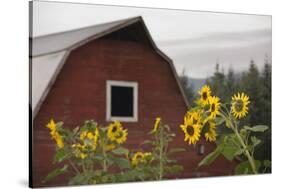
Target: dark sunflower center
[(238, 105), (204, 95), (213, 107), (114, 129), (139, 157), (190, 130)]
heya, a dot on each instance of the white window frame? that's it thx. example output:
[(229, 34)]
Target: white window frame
[(134, 85)]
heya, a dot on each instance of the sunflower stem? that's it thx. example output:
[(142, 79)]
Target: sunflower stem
[(73, 166), (161, 153), (84, 167), (104, 165), (246, 151)]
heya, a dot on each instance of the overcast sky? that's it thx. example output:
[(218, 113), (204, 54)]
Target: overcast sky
[(194, 40)]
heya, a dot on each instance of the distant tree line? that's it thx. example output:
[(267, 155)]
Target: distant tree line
[(255, 83)]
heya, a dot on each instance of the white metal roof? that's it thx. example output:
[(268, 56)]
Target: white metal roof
[(49, 53), (43, 67), (63, 40)]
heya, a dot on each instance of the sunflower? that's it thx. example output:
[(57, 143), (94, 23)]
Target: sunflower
[(239, 105), (90, 138), (52, 126), (94, 138), (141, 157), (96, 135), (156, 124), (59, 140), (147, 157), (54, 133), (116, 133), (78, 146), (191, 131), (113, 130), (204, 93), (137, 158), (147, 154), (83, 135), (214, 103), (195, 116), (79, 150), (82, 155), (122, 136), (210, 130)]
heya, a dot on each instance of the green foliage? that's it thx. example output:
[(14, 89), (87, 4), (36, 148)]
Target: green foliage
[(90, 152), (230, 146), (267, 163), (121, 151), (61, 155), (211, 157), (266, 167), (245, 168), (56, 173), (162, 164), (239, 141), (86, 154), (122, 163), (257, 128), (257, 84), (188, 88), (175, 150)]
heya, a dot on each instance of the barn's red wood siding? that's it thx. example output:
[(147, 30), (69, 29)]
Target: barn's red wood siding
[(79, 94)]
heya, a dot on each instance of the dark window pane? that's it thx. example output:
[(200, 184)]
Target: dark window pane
[(122, 101)]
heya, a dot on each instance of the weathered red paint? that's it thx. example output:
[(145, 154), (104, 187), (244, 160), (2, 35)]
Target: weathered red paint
[(79, 93)]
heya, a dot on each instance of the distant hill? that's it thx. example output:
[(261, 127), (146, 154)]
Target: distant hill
[(197, 83)]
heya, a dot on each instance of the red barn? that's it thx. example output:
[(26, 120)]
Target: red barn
[(106, 72)]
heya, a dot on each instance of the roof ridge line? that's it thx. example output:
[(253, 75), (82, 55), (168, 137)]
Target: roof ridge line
[(86, 27)]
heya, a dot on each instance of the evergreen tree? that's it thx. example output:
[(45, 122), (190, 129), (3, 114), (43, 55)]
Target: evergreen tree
[(231, 85), (217, 83), (257, 85), (251, 85), (265, 106), (266, 92), (187, 87)]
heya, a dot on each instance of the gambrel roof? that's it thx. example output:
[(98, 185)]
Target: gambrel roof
[(51, 51)]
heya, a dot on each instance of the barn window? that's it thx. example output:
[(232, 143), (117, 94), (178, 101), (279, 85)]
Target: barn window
[(121, 101)]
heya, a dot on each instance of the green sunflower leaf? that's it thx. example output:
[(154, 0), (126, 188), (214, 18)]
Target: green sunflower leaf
[(210, 157), (55, 173), (78, 179), (257, 128), (229, 152), (267, 163), (255, 141), (122, 163), (120, 151), (239, 152), (173, 169), (98, 157), (61, 155), (219, 120), (230, 147), (147, 142), (175, 150), (245, 168)]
